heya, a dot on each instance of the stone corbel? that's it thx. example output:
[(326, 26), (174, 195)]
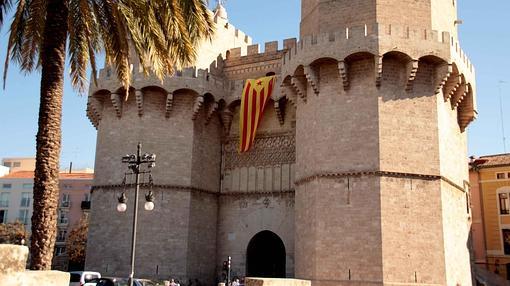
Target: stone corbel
[(280, 111), (226, 118), (378, 70), (443, 73), (92, 116), (299, 86), (94, 105), (288, 92), (412, 69), (452, 84), (344, 75), (169, 104), (312, 78), (139, 101), (466, 112), (459, 94), (117, 104), (199, 101), (212, 109)]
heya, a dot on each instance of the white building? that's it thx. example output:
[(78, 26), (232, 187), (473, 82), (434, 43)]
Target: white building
[(16, 198), (4, 171)]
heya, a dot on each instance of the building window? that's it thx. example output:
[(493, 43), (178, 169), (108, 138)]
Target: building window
[(25, 200), (3, 216), (62, 218), (503, 203), (6, 186), (87, 197), (4, 200), (28, 186), (66, 202), (500, 176), (59, 250), (23, 216), (7, 164), (62, 233), (506, 240), (16, 164)]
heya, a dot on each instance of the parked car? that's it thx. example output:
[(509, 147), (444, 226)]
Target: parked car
[(114, 281), (79, 278)]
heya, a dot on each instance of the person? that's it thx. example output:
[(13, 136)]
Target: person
[(235, 282), (172, 282)]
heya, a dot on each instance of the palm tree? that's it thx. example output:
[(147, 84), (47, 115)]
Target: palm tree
[(162, 34)]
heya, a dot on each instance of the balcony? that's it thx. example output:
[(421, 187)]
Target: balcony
[(65, 204), (63, 222), (85, 205)]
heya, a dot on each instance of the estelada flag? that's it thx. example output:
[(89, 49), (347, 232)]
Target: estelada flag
[(256, 92)]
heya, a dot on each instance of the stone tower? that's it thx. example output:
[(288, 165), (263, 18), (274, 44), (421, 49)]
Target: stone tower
[(358, 174), (384, 96)]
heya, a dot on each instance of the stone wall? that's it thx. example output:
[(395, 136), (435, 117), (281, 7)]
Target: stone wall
[(342, 217), (456, 219), (412, 231), (162, 236), (337, 131), (170, 138), (241, 217)]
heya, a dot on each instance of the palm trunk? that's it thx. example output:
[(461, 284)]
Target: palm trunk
[(44, 218)]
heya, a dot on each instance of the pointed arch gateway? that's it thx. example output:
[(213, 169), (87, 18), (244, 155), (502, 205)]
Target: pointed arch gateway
[(265, 256)]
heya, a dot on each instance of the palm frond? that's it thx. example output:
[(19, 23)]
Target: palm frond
[(80, 36), (16, 36), (33, 32), (5, 6), (114, 38)]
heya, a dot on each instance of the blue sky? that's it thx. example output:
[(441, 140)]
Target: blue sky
[(484, 36)]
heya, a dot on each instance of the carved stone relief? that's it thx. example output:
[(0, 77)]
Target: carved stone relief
[(268, 167)]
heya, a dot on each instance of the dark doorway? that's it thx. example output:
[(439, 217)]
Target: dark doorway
[(265, 256)]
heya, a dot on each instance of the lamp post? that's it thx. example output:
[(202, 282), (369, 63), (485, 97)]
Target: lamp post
[(134, 162)]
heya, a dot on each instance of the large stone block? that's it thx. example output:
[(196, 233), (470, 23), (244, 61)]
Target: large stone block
[(14, 258), (276, 282), (12, 270)]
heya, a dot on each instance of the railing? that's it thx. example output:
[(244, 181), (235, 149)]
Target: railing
[(65, 204), (85, 205)]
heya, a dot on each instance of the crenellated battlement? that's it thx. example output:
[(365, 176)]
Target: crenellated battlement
[(377, 39), (453, 73), (199, 81), (226, 26), (253, 52)]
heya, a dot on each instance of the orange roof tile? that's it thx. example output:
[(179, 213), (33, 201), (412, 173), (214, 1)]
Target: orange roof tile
[(19, 175), (493, 160), (30, 174)]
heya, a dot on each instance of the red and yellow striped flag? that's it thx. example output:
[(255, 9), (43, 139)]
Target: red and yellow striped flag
[(255, 95)]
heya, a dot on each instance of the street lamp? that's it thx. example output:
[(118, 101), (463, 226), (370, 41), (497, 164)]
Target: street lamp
[(134, 162)]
